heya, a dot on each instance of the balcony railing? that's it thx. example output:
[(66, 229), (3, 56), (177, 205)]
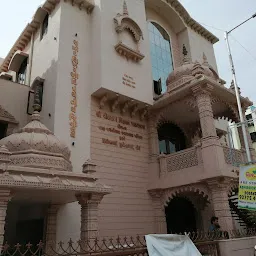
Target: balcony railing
[(234, 156), (181, 160)]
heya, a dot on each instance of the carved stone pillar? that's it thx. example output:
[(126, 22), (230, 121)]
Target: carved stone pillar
[(51, 229), (154, 167), (204, 105), (4, 199), (159, 212), (220, 190), (153, 138), (89, 215)]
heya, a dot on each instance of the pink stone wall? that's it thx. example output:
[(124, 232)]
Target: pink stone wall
[(128, 210)]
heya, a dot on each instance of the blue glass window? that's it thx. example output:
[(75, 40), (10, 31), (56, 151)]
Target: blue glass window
[(160, 51)]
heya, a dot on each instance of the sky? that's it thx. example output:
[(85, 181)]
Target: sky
[(216, 15)]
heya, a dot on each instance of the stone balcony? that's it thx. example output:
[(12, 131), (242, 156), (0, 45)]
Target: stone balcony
[(186, 166)]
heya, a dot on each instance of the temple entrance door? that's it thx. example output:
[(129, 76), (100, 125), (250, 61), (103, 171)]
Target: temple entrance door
[(180, 216), (25, 222), (30, 231)]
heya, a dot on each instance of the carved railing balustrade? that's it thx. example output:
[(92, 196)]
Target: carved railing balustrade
[(183, 159)]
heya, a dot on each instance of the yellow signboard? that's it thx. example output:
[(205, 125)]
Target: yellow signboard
[(247, 187)]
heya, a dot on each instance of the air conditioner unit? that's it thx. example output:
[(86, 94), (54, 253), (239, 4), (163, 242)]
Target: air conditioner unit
[(158, 87)]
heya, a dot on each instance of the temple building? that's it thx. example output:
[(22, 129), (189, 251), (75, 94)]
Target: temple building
[(109, 125)]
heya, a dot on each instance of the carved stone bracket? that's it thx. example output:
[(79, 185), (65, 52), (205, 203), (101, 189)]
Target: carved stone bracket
[(87, 5), (143, 114), (134, 110), (125, 107), (115, 103), (103, 101)]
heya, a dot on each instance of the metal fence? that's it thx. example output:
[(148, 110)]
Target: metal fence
[(206, 242)]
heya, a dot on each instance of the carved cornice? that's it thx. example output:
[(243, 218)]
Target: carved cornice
[(42, 181), (115, 103), (85, 199), (190, 22), (87, 5), (202, 89)]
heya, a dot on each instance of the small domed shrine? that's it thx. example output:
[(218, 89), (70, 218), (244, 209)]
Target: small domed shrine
[(36, 146), (190, 70), (35, 167)]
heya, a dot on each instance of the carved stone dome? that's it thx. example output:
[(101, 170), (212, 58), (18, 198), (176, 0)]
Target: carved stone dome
[(188, 70), (36, 146)]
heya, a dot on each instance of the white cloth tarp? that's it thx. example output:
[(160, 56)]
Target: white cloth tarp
[(171, 245)]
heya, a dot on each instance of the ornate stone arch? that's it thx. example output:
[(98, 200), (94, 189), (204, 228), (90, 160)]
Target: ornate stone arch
[(162, 118), (125, 22), (199, 189), (232, 108)]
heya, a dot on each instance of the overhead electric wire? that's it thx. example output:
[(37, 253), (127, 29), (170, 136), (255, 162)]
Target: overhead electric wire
[(219, 29), (212, 27), (243, 47)]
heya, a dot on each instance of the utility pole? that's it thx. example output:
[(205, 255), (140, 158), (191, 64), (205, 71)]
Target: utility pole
[(241, 114)]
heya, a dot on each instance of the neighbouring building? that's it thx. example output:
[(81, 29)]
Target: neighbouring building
[(109, 114), (251, 118)]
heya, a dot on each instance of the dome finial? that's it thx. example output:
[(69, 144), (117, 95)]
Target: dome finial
[(186, 59), (205, 61), (37, 104), (184, 50), (125, 9)]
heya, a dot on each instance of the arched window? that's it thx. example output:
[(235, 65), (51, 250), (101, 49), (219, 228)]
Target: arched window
[(171, 138), (161, 54)]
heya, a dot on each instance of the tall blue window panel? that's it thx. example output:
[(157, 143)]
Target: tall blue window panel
[(161, 54)]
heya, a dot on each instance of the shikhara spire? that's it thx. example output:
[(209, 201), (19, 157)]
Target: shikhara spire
[(125, 9), (184, 51), (205, 61)]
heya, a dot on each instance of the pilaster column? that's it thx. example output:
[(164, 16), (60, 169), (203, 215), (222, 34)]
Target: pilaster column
[(153, 138), (220, 189), (89, 215), (4, 199), (203, 100), (51, 229), (159, 212)]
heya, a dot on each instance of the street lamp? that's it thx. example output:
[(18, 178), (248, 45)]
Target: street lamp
[(241, 114)]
